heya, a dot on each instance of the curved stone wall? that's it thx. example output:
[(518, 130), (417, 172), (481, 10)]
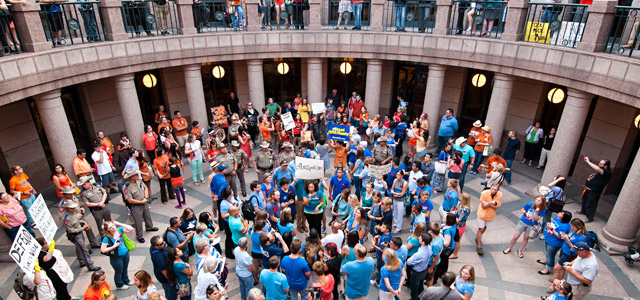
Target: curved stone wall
[(601, 74)]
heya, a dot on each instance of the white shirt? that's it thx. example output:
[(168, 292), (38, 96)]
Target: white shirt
[(204, 280), (138, 296), (105, 166), (587, 267), (336, 238), (45, 290), (195, 146), (413, 177)]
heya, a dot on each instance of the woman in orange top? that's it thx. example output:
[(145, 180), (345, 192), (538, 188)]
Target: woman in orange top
[(99, 289), (212, 150), (60, 179), (145, 171), (19, 183), (149, 139), (265, 129), (483, 140)]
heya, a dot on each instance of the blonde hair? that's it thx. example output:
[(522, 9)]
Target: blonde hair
[(465, 200), (105, 229), (499, 168), (472, 272), (387, 201), (355, 200), (419, 230), (543, 204), (393, 263)]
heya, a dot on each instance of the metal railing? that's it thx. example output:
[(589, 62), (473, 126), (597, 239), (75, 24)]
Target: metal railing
[(414, 16), (479, 18), (292, 16), (213, 16), (155, 17), (70, 23), (623, 35), (555, 23), (349, 13), (9, 38)]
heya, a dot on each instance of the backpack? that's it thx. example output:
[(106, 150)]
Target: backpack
[(247, 209), (23, 291), (592, 240)]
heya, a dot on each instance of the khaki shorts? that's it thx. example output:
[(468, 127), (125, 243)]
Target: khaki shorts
[(482, 223)]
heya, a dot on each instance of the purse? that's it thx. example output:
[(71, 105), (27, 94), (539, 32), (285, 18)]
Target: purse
[(184, 289), (555, 205), (488, 151), (441, 168), (131, 245), (536, 229)]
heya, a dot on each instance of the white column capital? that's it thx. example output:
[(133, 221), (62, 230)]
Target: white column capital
[(254, 62), (578, 98), (48, 100), (503, 77), (124, 78), (437, 70), (374, 63), (192, 68)]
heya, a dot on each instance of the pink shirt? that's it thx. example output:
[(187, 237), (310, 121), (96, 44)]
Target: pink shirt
[(14, 214)]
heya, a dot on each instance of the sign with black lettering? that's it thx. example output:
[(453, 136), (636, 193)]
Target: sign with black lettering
[(25, 250)]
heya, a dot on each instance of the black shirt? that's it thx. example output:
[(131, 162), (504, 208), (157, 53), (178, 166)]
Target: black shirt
[(234, 105), (333, 267), (548, 142), (596, 181)]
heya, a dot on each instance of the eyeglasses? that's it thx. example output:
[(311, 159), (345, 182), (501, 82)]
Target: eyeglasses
[(249, 104), (160, 244)]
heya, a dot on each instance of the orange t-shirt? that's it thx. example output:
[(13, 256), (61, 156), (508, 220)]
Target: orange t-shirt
[(197, 131), (161, 114), (20, 184), (482, 138), (162, 165), (473, 133), (492, 162), (164, 125), (264, 130), (489, 213), (102, 292), (81, 167), (341, 157), (180, 123)]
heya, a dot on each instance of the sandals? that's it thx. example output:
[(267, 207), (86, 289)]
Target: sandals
[(543, 273), (520, 255), (540, 262), (506, 251), (453, 257)]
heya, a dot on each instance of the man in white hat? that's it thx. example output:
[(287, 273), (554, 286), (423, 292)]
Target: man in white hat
[(96, 199), (74, 226), (287, 154), (264, 160), (243, 160), (381, 152), (468, 156), (68, 193), (137, 195), (474, 132)]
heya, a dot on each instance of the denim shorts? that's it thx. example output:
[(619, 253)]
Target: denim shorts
[(260, 9), (564, 258), (107, 179)]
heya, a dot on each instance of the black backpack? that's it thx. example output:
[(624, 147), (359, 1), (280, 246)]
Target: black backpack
[(247, 209), (23, 291)]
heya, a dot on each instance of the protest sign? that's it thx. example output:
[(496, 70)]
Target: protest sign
[(307, 168), (219, 115), (287, 121), (339, 132), (42, 217), (380, 170), (25, 250), (317, 108)]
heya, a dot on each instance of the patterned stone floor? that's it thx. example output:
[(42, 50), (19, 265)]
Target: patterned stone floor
[(499, 276)]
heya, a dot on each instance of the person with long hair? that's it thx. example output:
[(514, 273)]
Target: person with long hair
[(179, 273), (228, 200), (313, 244), (285, 224), (60, 179), (113, 246), (556, 191), (451, 197), (392, 276), (398, 191), (448, 230), (563, 291), (358, 223), (375, 213), (98, 289), (55, 267), (145, 172), (437, 182), (455, 165), (304, 110), (177, 183), (465, 282), (314, 205), (13, 216), (150, 141), (146, 289), (245, 143), (332, 266), (356, 170), (553, 239), (577, 234), (532, 213), (462, 213), (193, 149), (413, 245)]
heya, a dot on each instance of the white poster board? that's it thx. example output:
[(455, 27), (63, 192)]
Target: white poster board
[(307, 168), (318, 108), (42, 217), (569, 34), (25, 250), (380, 170), (287, 120)]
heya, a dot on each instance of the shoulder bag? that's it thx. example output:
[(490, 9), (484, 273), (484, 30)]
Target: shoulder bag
[(131, 245), (555, 205)]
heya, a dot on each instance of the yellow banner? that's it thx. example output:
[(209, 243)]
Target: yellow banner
[(537, 32)]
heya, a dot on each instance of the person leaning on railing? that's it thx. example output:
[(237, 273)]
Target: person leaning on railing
[(7, 25), (54, 18), (89, 19)]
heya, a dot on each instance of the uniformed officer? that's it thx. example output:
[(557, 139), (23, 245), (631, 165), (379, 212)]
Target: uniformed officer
[(68, 193), (264, 160), (234, 128), (381, 152), (137, 194), (287, 155), (228, 160), (96, 199), (74, 226), (242, 159)]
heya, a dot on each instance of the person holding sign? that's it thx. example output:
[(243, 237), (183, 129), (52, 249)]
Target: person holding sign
[(53, 263), (74, 226), (39, 282)]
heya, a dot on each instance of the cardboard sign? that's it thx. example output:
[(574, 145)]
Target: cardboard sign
[(307, 168), (219, 115), (537, 32), (380, 170), (339, 132), (42, 216), (318, 108), (287, 121), (25, 250)]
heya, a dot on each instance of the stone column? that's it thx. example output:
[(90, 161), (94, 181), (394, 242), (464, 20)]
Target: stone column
[(314, 80), (130, 108), (376, 19), (256, 83), (112, 18), (601, 14), (54, 121), (443, 19), (568, 135), (516, 18), (253, 23), (622, 226), (315, 14), (195, 93), (498, 106), (185, 17), (372, 87), (432, 99), (29, 27)]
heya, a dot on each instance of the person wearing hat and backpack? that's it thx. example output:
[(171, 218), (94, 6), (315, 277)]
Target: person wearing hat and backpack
[(96, 199), (74, 226), (136, 194)]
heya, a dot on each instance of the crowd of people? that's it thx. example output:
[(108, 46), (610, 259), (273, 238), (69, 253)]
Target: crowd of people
[(276, 231)]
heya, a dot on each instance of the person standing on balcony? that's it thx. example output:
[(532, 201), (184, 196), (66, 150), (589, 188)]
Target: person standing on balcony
[(54, 18), (401, 12), (299, 15), (136, 17), (89, 19), (162, 11), (344, 6), (357, 14), (267, 12), (424, 13), (236, 20)]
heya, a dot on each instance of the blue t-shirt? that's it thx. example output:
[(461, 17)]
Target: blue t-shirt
[(384, 239), (287, 228), (235, 225), (339, 185), (352, 155), (159, 260), (122, 248), (257, 199), (450, 200), (420, 218), (279, 174), (224, 206), (268, 251), (556, 296), (573, 238), (393, 276), (550, 238), (273, 209), (178, 267), (464, 287), (415, 243), (426, 206), (314, 201), (295, 270), (527, 217), (255, 242), (267, 188), (403, 254), (451, 231), (392, 175), (358, 285), (218, 183), (174, 238), (436, 247), (275, 284), (284, 197)]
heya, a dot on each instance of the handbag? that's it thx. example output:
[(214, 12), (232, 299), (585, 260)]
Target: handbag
[(441, 168), (184, 289), (536, 229), (131, 245), (555, 205), (488, 151)]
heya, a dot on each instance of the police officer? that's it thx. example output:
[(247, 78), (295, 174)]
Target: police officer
[(234, 128), (137, 195), (264, 160), (381, 152), (96, 199), (287, 155), (228, 160), (68, 193), (74, 226), (242, 159)]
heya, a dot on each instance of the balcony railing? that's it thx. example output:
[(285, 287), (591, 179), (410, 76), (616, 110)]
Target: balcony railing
[(348, 13), (478, 18), (156, 17), (69, 23), (9, 35), (415, 16), (555, 24), (214, 16), (623, 36)]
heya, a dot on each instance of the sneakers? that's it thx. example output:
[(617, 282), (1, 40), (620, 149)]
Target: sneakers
[(374, 283), (123, 288)]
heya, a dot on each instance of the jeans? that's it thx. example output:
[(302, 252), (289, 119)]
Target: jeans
[(465, 167), (196, 167), (401, 12), (357, 14), (239, 19), (246, 283), (169, 291), (268, 4), (379, 265), (442, 140), (551, 256), (120, 265), (549, 15), (26, 204), (423, 17), (416, 283), (11, 232), (477, 161), (357, 182), (294, 294), (507, 174), (90, 27)]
